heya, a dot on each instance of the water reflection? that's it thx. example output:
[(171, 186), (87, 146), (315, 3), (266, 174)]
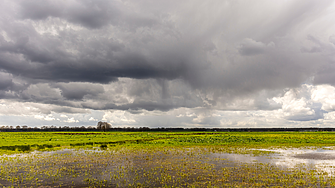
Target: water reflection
[(319, 158), (150, 167), (323, 160)]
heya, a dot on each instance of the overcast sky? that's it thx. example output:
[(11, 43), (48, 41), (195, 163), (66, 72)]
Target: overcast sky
[(159, 63)]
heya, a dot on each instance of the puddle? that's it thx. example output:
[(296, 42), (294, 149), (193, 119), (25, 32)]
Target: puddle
[(323, 160)]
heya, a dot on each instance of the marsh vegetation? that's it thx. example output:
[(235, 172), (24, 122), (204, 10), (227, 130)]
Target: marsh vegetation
[(166, 159)]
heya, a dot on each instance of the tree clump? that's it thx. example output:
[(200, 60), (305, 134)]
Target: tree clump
[(103, 126)]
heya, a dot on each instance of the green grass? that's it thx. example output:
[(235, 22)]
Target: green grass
[(16, 142)]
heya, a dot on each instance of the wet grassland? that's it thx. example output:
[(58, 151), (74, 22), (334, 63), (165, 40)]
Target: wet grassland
[(167, 159)]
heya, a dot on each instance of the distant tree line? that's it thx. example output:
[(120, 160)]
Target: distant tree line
[(25, 128), (107, 127)]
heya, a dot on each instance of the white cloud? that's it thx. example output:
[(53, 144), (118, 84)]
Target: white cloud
[(39, 117), (46, 118), (119, 117), (330, 116), (49, 118), (71, 120), (92, 119), (297, 104), (324, 94)]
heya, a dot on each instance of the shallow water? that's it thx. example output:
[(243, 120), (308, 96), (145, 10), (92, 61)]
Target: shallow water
[(280, 157), (119, 168), (323, 160)]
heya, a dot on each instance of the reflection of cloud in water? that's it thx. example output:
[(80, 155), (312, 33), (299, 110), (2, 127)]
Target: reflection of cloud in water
[(323, 160), (241, 158)]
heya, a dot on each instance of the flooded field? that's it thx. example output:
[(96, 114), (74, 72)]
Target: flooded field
[(177, 167), (167, 159)]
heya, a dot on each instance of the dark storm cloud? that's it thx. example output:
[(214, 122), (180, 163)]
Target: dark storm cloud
[(75, 91), (91, 14), (332, 39), (69, 110), (326, 75), (68, 52), (5, 81), (87, 57), (251, 47), (150, 106)]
